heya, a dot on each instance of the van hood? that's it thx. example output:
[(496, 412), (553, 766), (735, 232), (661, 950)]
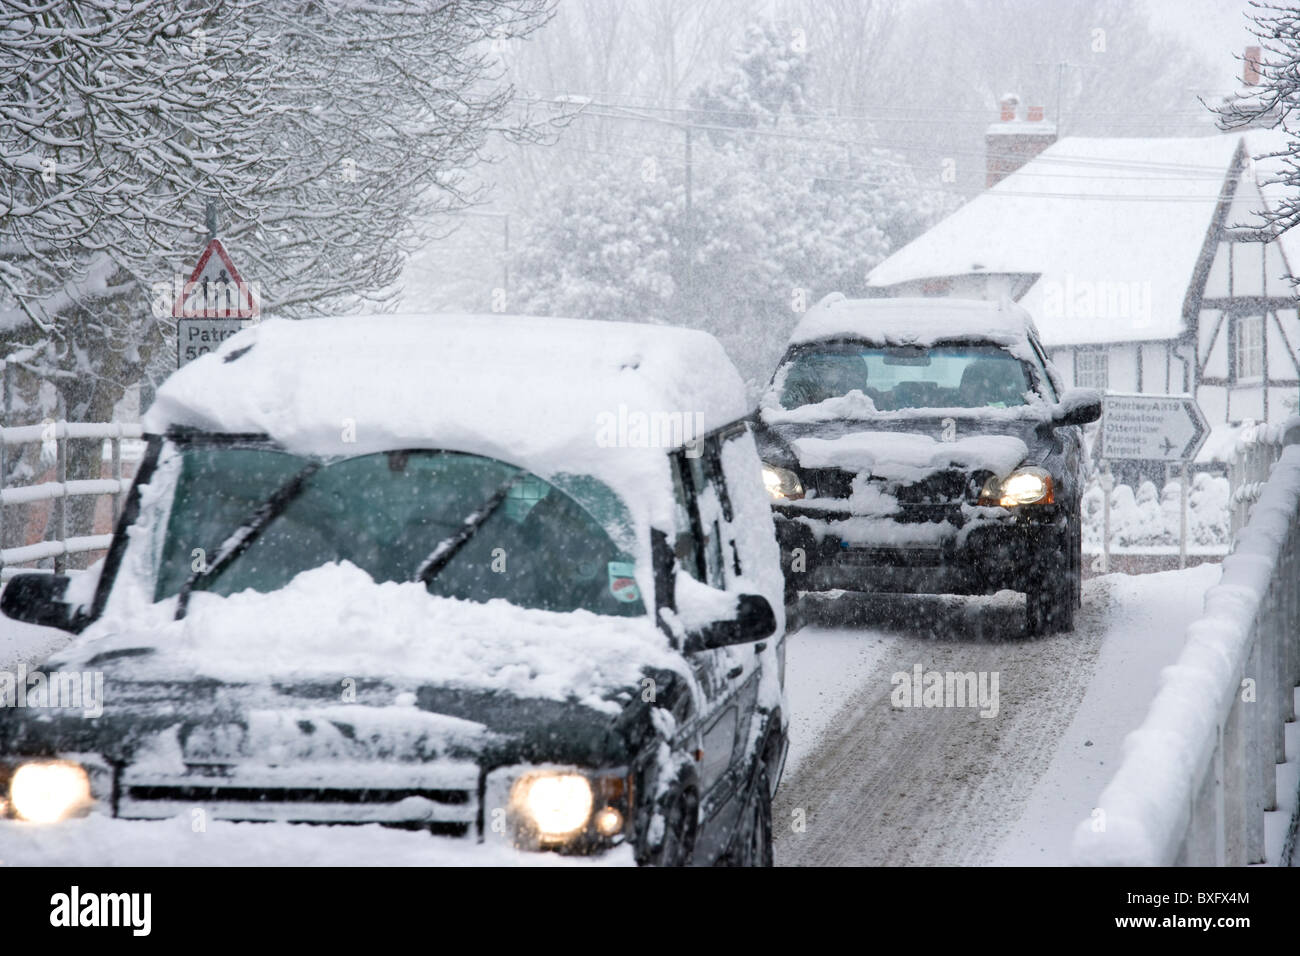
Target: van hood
[(187, 722), (335, 668)]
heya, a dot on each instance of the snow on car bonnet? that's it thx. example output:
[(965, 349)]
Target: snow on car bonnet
[(910, 457), (336, 620), (554, 396)]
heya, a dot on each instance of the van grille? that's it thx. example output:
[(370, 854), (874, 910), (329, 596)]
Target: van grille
[(445, 806)]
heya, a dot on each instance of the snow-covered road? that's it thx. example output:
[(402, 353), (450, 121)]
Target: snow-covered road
[(871, 783)]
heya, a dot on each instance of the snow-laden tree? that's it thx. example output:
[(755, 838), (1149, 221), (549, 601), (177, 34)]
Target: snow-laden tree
[(767, 76), (601, 246), (782, 209), (320, 129)]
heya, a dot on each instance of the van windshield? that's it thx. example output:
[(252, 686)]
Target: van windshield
[(941, 376), (470, 527)]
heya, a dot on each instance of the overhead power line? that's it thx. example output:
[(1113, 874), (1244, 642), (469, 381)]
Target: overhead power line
[(1057, 159), (830, 112)]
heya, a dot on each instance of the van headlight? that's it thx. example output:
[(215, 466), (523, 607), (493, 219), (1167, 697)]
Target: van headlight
[(49, 791), (556, 805), (782, 483), (557, 808), (1024, 486)]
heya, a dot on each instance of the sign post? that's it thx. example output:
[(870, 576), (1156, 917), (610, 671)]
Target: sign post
[(1154, 428), (1107, 486), (213, 305)]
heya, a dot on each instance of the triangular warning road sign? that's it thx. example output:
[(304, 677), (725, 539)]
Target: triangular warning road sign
[(216, 290)]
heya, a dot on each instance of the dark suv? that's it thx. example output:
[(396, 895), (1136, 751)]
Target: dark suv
[(925, 446)]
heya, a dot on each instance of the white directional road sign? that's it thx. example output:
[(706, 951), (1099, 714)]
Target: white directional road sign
[(1152, 427)]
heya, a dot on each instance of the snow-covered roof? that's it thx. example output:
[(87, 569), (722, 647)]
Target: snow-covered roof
[(550, 395), (912, 321), (1093, 219)]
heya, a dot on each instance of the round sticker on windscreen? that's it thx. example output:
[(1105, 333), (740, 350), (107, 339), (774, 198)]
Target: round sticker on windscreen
[(622, 583)]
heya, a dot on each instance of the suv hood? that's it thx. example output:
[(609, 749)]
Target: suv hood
[(906, 449)]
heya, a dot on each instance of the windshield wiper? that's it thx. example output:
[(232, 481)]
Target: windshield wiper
[(449, 547), (245, 535)]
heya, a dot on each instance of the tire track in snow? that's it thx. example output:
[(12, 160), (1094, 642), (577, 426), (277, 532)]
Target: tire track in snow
[(927, 786)]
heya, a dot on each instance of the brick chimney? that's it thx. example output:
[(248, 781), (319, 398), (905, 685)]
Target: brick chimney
[(1012, 142), (1250, 66)]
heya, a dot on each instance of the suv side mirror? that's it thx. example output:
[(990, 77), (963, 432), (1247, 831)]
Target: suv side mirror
[(38, 599), (1078, 406), (754, 621)]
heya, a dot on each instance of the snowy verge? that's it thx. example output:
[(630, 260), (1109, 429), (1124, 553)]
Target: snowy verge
[(1150, 812)]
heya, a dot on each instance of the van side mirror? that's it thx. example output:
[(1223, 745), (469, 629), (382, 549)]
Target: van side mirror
[(1078, 406), (39, 599), (753, 621)]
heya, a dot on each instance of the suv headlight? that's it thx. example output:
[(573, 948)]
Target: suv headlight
[(564, 808), (48, 791), (1024, 486), (782, 483)]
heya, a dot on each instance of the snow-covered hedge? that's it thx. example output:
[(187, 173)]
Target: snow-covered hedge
[(1198, 774), (1149, 518)]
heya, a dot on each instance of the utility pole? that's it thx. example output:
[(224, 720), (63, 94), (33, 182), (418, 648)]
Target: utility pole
[(690, 221), (1061, 67), (1060, 79), (211, 217)]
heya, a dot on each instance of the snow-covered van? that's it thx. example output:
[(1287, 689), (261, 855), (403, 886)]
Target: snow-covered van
[(513, 581), (926, 445)]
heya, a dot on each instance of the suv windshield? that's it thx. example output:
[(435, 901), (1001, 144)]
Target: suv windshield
[(471, 527), (940, 376)]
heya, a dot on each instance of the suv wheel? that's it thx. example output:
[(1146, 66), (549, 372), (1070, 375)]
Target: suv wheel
[(1049, 601)]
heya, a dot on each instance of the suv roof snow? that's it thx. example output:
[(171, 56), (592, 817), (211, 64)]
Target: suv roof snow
[(914, 321)]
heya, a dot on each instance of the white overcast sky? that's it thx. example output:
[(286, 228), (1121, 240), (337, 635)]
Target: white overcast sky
[(1216, 28)]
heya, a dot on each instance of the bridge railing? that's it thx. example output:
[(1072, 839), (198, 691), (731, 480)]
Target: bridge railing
[(1258, 448), (14, 499), (1200, 772)]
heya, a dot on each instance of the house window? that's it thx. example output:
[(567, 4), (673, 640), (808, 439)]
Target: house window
[(1092, 369), (1250, 346)]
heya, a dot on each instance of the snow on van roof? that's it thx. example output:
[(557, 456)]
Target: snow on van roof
[(912, 321), (554, 396)]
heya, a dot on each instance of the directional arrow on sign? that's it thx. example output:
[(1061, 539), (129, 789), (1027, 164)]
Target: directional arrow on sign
[(1152, 427)]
